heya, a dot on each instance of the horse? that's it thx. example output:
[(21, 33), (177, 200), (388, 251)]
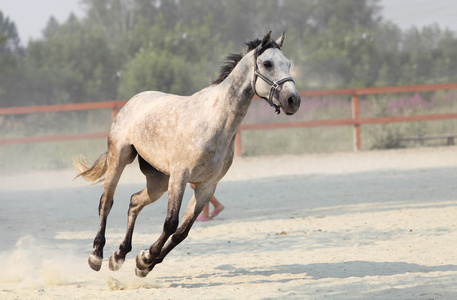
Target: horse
[(184, 139)]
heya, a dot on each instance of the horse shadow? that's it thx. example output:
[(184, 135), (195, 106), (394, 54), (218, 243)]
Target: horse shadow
[(341, 270), (363, 269), (317, 271)]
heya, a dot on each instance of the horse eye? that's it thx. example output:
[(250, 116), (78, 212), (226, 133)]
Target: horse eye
[(267, 64)]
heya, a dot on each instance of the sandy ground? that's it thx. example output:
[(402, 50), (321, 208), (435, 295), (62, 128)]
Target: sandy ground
[(370, 225)]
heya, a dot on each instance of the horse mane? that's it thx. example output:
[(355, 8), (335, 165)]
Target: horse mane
[(233, 59)]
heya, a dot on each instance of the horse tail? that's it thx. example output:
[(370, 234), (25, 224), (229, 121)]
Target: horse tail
[(94, 172)]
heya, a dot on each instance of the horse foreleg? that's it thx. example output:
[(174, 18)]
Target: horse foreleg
[(176, 187), (201, 197)]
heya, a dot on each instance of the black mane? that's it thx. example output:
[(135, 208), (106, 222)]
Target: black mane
[(233, 59)]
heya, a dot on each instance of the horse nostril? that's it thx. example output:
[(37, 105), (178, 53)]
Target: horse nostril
[(291, 101)]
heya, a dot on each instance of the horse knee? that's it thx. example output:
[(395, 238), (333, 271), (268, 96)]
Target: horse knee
[(178, 237), (136, 204), (171, 225)]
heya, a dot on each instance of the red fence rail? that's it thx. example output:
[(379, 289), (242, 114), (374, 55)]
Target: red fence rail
[(113, 105), (355, 121)]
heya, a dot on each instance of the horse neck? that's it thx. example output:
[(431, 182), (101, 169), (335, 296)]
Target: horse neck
[(235, 94)]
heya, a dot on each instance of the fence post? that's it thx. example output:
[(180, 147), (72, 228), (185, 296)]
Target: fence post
[(238, 143), (355, 117)]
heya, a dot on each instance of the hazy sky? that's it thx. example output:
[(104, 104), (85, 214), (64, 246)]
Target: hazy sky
[(407, 13), (30, 16)]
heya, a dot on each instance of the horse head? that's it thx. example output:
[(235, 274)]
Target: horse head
[(276, 86)]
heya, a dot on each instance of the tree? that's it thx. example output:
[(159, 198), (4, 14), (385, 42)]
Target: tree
[(73, 63), (428, 55), (181, 61), (161, 71), (122, 47), (339, 49), (11, 70)]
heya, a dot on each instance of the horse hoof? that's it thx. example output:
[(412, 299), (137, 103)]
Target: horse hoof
[(140, 258), (141, 273), (95, 262), (115, 263)]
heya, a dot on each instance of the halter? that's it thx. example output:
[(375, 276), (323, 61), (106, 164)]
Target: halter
[(274, 85)]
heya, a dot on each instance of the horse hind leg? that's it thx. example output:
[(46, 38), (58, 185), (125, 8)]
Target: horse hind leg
[(156, 186), (137, 202), (201, 197), (117, 160)]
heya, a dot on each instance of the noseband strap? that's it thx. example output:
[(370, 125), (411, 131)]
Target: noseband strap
[(274, 85)]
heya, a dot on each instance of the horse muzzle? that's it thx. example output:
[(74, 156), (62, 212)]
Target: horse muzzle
[(290, 103)]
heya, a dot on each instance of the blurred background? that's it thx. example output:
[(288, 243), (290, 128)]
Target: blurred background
[(55, 52)]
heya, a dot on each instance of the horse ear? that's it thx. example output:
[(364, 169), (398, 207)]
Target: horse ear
[(281, 39), (266, 39)]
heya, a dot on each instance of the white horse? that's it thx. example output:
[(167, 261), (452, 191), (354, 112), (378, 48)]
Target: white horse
[(184, 139)]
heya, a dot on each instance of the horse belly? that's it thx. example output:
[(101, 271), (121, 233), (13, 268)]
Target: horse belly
[(155, 151)]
